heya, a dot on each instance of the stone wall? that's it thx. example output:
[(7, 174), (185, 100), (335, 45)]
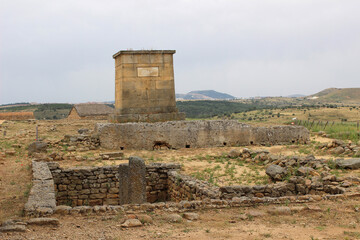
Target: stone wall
[(182, 187), (101, 185), (157, 181), (86, 185), (195, 134), (295, 186)]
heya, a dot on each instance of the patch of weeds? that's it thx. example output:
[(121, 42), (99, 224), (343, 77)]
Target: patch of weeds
[(352, 234), (266, 235), (27, 191), (320, 228), (12, 183), (207, 230)]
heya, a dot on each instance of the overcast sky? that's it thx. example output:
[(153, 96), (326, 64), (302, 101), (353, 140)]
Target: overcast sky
[(61, 50)]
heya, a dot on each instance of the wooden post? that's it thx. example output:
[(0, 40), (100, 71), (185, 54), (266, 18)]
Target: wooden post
[(37, 133), (4, 133), (326, 124), (312, 124), (333, 123), (357, 125)]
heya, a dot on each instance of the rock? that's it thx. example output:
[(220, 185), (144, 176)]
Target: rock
[(71, 149), (305, 171), (10, 152), (79, 158), (298, 208), (191, 216), (256, 213), (173, 218), (44, 221), (37, 146), (353, 163), (337, 142), (62, 210), (112, 154), (145, 219), (276, 172), (279, 211), (338, 150), (234, 153), (83, 130), (314, 208), (105, 157), (131, 223), (13, 228)]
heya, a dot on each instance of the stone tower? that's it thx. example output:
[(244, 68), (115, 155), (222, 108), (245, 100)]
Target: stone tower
[(144, 87)]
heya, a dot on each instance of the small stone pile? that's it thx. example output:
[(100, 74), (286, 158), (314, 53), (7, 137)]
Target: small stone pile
[(81, 143), (260, 155), (339, 147)]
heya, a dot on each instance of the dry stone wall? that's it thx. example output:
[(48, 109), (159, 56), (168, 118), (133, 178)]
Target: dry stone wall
[(86, 185), (182, 187), (194, 134), (108, 185)]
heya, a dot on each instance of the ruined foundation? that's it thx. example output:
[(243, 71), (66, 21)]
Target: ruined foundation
[(89, 189), (195, 134)]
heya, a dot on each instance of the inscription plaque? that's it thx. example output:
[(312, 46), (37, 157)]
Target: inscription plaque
[(148, 71)]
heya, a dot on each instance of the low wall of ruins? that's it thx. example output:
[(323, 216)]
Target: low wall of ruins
[(92, 186), (195, 134), (73, 188)]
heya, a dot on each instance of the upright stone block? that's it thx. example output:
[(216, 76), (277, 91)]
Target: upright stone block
[(123, 184), (137, 180), (132, 182)]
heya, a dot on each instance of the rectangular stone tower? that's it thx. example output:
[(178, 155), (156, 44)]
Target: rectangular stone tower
[(144, 87)]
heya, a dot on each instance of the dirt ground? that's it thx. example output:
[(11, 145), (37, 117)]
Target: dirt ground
[(334, 220)]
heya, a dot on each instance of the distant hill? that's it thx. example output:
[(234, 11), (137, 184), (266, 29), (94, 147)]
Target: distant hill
[(337, 95), (205, 95), (295, 95)]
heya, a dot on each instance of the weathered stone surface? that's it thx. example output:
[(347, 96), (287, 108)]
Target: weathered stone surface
[(353, 163), (145, 219), (113, 154), (173, 218), (256, 213), (137, 181), (234, 153), (13, 228), (195, 134), (191, 216), (44, 221), (338, 150), (124, 184), (279, 211), (131, 223), (41, 201), (305, 171), (136, 101), (276, 172), (83, 130), (37, 146), (62, 209)]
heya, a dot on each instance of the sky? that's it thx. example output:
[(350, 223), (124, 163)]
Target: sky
[(61, 50)]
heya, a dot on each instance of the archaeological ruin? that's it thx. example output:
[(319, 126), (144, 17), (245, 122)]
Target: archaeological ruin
[(195, 134), (144, 87)]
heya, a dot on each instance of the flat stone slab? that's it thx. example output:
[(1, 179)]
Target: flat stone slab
[(44, 221), (13, 228), (348, 163), (113, 154)]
